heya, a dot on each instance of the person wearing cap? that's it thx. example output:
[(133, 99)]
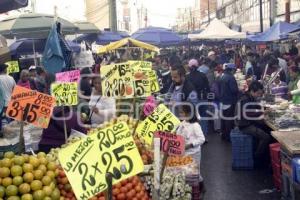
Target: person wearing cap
[(200, 82), (212, 65), (228, 98)]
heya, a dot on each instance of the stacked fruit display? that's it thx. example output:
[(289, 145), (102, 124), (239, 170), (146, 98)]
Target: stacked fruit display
[(174, 161), (129, 189), (64, 186), (27, 177), (147, 156)]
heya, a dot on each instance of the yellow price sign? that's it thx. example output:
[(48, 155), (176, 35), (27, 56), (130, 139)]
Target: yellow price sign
[(162, 119), (154, 85), (137, 64), (117, 80), (13, 67), (66, 94), (106, 151)]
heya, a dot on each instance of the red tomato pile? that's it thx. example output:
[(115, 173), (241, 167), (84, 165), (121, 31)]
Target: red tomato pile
[(129, 189), (64, 186)]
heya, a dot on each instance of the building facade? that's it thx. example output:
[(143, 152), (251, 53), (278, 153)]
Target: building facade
[(97, 12), (246, 13)]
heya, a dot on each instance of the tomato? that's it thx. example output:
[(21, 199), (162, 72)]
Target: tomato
[(134, 198), (121, 196), (138, 188), (62, 174), (129, 186), (64, 180), (115, 191), (129, 195), (123, 189), (101, 198), (134, 182), (124, 182), (118, 185), (70, 195)]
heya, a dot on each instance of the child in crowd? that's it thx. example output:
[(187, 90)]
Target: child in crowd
[(191, 130)]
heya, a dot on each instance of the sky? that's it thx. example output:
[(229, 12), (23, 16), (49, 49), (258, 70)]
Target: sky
[(163, 12), (160, 12)]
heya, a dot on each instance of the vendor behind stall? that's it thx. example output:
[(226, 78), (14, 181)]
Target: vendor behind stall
[(279, 88), (294, 85), (54, 136), (250, 121)]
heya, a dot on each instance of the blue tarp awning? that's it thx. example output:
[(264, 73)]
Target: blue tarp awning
[(26, 46), (157, 36), (278, 31), (8, 5), (102, 38)]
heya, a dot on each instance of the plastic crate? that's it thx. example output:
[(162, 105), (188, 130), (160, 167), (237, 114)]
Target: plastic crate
[(242, 151), (296, 169), (276, 169), (277, 182), (286, 164), (275, 152), (14, 148)]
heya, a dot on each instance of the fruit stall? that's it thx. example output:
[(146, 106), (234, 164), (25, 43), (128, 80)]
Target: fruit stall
[(129, 157)]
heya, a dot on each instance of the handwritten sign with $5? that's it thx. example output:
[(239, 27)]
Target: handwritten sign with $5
[(30, 106), (111, 150), (162, 119), (65, 93), (13, 67)]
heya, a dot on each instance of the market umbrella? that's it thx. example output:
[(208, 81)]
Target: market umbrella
[(33, 25), (86, 27), (278, 31), (24, 46), (157, 36), (127, 42), (4, 51), (102, 38), (8, 5)]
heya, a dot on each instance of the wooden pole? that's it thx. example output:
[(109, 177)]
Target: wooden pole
[(108, 192), (65, 124)]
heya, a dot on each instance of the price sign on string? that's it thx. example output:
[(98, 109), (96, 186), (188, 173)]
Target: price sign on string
[(30, 106), (154, 85), (117, 80), (138, 64), (171, 143), (13, 67), (141, 82), (162, 119), (70, 76), (149, 105), (66, 94), (105, 151)]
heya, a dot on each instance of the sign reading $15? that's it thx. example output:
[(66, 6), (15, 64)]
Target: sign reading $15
[(161, 119), (105, 151), (30, 106)]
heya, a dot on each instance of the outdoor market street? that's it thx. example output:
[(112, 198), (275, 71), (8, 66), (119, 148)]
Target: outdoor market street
[(222, 183)]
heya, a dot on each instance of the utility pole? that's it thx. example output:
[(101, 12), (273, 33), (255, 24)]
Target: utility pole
[(288, 11), (273, 11), (113, 15), (261, 16), (208, 11)]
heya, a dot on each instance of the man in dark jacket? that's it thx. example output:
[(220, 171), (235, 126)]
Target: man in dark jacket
[(181, 90), (200, 82), (228, 98), (250, 119)]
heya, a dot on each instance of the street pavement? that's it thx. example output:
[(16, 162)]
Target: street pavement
[(222, 183)]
